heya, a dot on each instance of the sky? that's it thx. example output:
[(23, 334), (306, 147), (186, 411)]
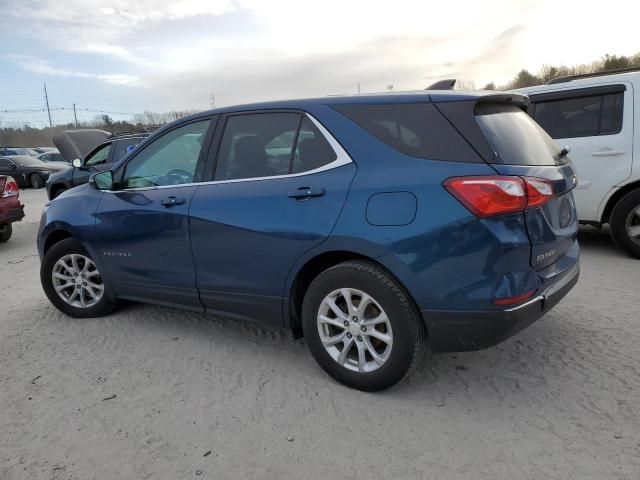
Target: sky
[(127, 56)]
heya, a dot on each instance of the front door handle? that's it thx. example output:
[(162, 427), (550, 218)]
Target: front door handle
[(304, 193), (172, 201), (608, 153)]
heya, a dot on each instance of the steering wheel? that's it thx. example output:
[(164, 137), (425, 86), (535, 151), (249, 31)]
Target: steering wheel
[(177, 176)]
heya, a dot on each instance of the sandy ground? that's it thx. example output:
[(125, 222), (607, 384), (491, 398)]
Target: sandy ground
[(151, 392)]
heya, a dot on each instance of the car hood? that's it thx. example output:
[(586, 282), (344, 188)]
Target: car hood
[(74, 144)]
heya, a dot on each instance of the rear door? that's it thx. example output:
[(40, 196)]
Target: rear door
[(597, 124), (524, 149), (279, 185)]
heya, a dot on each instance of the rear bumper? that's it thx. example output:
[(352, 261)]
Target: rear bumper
[(10, 211), (460, 330)]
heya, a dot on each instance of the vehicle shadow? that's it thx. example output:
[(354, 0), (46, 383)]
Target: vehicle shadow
[(592, 239)]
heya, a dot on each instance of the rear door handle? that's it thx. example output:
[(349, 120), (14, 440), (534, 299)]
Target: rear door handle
[(306, 192), (608, 153), (172, 201)]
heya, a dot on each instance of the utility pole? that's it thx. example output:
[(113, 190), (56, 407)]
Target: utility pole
[(75, 115), (213, 101), (46, 101), (358, 88)]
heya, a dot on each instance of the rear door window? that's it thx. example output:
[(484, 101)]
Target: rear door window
[(415, 129), (516, 138), (312, 149), (587, 116), (123, 147)]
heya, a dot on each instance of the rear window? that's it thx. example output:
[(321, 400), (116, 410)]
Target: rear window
[(516, 138), (415, 129)]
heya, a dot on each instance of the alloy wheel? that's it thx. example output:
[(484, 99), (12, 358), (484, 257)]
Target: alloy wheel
[(633, 225), (77, 281), (355, 330)]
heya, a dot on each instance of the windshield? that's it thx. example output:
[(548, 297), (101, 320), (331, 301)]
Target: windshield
[(517, 139)]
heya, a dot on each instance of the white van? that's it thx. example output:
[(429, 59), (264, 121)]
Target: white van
[(594, 115)]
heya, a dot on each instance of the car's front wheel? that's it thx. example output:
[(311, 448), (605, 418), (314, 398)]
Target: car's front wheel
[(72, 282), (361, 327), (625, 223)]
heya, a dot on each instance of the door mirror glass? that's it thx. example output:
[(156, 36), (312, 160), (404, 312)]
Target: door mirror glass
[(102, 180), (77, 162)]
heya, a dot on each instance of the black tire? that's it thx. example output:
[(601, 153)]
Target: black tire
[(408, 330), (57, 192), (618, 223), (65, 247), (36, 181), (6, 231)]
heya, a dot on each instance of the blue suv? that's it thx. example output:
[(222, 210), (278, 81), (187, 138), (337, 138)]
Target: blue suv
[(368, 224)]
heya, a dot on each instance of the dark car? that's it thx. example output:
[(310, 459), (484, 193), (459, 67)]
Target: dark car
[(100, 157), (367, 224), (11, 210), (29, 171)]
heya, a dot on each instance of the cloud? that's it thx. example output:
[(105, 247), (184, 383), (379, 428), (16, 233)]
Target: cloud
[(45, 67)]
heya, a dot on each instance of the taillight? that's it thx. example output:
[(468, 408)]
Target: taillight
[(10, 188), (539, 191), (497, 195)]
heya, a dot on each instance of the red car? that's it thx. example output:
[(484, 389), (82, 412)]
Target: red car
[(11, 210)]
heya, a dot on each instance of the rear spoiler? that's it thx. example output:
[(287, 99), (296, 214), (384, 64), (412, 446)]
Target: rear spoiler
[(461, 114)]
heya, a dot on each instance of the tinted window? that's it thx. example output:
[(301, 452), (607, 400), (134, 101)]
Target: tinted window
[(312, 149), (99, 156), (416, 129), (171, 159), (515, 136), (123, 147), (257, 145), (581, 117)]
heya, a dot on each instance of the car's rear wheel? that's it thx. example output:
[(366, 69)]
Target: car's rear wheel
[(6, 231), (625, 223), (361, 326), (72, 282), (36, 181)]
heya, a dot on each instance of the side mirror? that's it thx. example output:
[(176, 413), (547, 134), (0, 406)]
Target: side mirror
[(76, 162), (102, 180)]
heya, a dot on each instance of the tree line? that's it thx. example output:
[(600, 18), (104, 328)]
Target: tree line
[(524, 78), (27, 136)]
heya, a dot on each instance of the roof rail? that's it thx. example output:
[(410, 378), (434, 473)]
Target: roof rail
[(125, 133), (568, 78)]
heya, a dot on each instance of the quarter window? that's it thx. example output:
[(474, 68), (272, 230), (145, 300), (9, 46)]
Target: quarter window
[(171, 159), (415, 129), (587, 116)]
